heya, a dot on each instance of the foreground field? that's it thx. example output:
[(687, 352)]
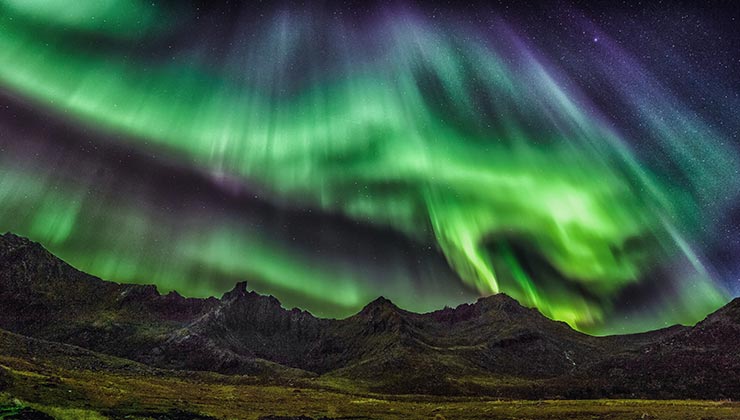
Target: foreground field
[(132, 391), (42, 379)]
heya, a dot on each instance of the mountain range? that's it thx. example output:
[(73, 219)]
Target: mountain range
[(493, 347)]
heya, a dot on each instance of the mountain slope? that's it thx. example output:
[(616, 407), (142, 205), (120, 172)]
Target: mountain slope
[(493, 346), (698, 362), (43, 297)]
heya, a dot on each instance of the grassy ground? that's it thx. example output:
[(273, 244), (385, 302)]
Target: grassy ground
[(67, 393), (67, 382)]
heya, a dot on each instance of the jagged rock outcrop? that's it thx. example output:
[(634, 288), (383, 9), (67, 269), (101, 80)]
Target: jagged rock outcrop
[(390, 349)]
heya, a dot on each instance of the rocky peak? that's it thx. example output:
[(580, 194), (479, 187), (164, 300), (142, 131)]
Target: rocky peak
[(12, 237), (240, 305), (10, 243), (500, 302), (380, 304), (731, 311), (383, 315), (728, 315), (238, 291), (139, 292), (461, 313)]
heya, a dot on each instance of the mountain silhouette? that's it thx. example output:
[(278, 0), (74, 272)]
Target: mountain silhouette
[(491, 347)]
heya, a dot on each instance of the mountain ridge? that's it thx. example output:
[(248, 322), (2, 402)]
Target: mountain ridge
[(494, 346), (241, 288)]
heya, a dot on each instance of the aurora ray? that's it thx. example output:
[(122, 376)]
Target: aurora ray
[(330, 161)]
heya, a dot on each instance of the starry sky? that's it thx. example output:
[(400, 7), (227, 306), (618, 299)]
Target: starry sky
[(581, 158)]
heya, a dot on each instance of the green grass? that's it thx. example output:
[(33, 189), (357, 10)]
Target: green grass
[(86, 394), (10, 410)]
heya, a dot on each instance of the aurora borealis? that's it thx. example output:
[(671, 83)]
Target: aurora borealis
[(331, 154)]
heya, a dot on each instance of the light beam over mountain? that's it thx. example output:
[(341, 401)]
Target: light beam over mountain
[(330, 158)]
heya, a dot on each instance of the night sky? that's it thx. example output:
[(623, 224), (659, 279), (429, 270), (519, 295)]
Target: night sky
[(581, 158)]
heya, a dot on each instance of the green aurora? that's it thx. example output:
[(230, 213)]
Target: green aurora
[(471, 148)]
